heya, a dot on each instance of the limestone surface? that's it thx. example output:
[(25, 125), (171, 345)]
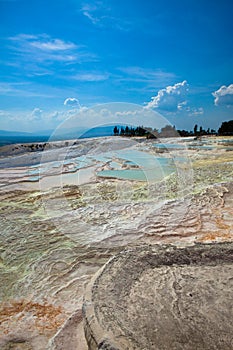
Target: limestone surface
[(60, 223), (162, 297)]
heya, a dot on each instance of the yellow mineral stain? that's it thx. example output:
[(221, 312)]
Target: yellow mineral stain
[(46, 316), (215, 236)]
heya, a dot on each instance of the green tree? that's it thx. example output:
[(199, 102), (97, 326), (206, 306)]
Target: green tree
[(226, 128), (122, 132), (195, 130), (116, 131)]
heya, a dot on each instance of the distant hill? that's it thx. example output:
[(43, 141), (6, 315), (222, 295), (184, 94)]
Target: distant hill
[(98, 132), (76, 133), (14, 133), (13, 137)]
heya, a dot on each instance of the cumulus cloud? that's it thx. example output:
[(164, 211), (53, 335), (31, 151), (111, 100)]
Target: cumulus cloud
[(72, 102), (182, 106), (224, 96), (194, 112), (6, 115), (36, 113), (171, 98), (113, 113)]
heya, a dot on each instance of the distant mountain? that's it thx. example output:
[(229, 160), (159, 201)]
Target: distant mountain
[(98, 132), (75, 133), (13, 137), (14, 133)]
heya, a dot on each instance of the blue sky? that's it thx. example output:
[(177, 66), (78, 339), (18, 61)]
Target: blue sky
[(173, 57)]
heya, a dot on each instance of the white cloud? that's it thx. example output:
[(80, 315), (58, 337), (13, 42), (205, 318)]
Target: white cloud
[(91, 11), (100, 14), (52, 116), (43, 48), (21, 37), (91, 76), (114, 113), (88, 11), (141, 79), (36, 113), (21, 120), (183, 105), (150, 78), (170, 98), (72, 102), (93, 19), (224, 96), (42, 42), (5, 115), (60, 116), (192, 111), (196, 111), (22, 89), (85, 118), (53, 45), (146, 74)]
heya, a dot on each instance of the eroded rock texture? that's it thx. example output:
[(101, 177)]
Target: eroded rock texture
[(56, 234), (161, 297)]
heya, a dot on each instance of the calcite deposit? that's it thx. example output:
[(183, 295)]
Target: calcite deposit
[(61, 222), (161, 297)]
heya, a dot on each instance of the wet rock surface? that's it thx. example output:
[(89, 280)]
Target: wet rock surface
[(162, 297)]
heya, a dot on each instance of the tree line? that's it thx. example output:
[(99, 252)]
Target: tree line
[(226, 128), (131, 131)]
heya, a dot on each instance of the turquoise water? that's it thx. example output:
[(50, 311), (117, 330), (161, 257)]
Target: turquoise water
[(149, 175), (179, 146), (169, 146), (201, 147), (141, 166), (143, 159), (226, 141), (150, 168), (115, 165), (36, 172)]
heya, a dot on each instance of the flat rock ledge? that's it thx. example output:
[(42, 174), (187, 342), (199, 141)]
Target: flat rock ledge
[(162, 297)]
